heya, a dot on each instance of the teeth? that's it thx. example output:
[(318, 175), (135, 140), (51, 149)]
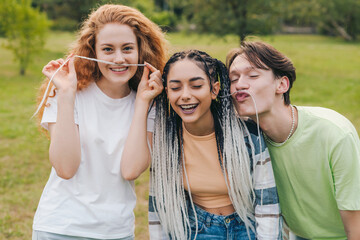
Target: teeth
[(118, 69), (188, 106)]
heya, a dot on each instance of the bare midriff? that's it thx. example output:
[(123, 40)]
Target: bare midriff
[(222, 211)]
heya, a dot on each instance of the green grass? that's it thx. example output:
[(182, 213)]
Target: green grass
[(328, 75)]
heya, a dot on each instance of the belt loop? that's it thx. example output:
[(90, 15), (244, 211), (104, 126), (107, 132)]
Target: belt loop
[(237, 217), (208, 219)]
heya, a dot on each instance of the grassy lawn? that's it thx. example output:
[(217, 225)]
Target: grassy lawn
[(328, 75)]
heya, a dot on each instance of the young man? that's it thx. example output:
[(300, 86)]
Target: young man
[(315, 151)]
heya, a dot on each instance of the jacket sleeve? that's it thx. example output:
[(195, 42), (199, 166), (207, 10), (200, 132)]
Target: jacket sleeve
[(267, 209), (156, 231)]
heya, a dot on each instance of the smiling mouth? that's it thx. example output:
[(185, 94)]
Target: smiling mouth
[(188, 108), (119, 69)]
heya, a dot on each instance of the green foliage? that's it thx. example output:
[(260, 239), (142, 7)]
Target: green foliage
[(24, 28), (165, 19), (68, 14), (241, 17), (341, 17), (301, 12), (65, 24), (71, 9), (331, 17)]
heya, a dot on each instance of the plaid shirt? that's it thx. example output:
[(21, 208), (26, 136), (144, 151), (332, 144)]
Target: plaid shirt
[(267, 210)]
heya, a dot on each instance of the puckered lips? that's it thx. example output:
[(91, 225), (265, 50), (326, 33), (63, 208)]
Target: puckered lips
[(241, 96), (188, 108)]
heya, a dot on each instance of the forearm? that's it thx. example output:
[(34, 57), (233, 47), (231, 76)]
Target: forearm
[(65, 151), (351, 221), (136, 155)]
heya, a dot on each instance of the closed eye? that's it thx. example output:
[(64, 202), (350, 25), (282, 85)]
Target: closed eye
[(175, 88)]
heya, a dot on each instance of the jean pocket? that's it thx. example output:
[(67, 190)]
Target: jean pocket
[(201, 225)]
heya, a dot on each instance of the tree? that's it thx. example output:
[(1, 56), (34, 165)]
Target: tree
[(341, 17), (331, 17), (240, 17), (24, 28)]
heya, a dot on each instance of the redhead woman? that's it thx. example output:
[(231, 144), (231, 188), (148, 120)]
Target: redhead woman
[(88, 114)]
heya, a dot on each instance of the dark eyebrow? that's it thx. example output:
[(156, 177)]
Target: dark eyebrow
[(196, 78), (191, 80), (174, 81)]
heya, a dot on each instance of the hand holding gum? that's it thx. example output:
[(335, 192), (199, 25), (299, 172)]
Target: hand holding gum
[(91, 59)]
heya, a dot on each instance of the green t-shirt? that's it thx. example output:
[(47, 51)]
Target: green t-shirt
[(317, 173)]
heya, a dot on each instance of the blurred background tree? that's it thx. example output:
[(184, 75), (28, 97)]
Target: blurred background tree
[(327, 17), (24, 25), (24, 28), (241, 17)]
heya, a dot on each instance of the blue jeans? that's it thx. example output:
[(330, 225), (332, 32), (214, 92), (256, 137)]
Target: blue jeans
[(216, 227), (39, 235)]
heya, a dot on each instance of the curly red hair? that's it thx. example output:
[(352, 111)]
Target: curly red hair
[(151, 44)]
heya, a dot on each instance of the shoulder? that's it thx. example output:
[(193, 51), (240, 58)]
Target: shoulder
[(325, 118)]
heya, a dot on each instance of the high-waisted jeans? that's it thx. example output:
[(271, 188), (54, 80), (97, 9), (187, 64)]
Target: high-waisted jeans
[(211, 226)]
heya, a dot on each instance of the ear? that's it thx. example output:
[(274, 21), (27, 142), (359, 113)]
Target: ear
[(283, 85), (215, 90)]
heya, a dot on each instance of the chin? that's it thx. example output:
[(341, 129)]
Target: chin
[(245, 112), (187, 119)]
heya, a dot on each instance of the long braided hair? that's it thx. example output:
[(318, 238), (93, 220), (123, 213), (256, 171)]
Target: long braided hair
[(167, 166)]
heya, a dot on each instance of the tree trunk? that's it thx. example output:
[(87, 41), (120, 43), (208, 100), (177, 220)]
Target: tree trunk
[(239, 8), (22, 71), (341, 31)]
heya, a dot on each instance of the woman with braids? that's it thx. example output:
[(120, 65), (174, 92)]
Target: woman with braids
[(89, 115), (211, 175)]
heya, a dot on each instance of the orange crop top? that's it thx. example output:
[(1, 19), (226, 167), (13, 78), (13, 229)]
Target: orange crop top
[(206, 180)]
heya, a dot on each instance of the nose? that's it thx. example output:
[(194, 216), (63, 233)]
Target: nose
[(185, 94), (242, 84), (119, 57)]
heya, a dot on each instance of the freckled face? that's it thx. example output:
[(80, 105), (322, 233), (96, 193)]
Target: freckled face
[(188, 90), (116, 43), (260, 83)]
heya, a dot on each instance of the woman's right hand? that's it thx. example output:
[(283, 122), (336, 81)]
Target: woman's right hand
[(65, 79)]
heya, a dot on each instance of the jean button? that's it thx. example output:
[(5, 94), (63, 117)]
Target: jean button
[(227, 220)]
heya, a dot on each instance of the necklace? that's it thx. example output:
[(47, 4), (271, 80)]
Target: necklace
[(275, 144)]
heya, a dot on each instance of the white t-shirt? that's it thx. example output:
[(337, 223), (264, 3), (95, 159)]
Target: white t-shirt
[(97, 202)]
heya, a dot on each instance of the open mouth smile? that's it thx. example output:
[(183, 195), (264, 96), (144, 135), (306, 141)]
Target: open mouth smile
[(188, 108)]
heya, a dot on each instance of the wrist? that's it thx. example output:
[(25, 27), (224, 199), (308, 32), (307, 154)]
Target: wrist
[(66, 96), (142, 103)]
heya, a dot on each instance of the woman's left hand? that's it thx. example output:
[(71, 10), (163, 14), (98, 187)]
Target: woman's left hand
[(150, 85)]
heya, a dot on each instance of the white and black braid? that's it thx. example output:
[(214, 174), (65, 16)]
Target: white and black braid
[(167, 166)]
